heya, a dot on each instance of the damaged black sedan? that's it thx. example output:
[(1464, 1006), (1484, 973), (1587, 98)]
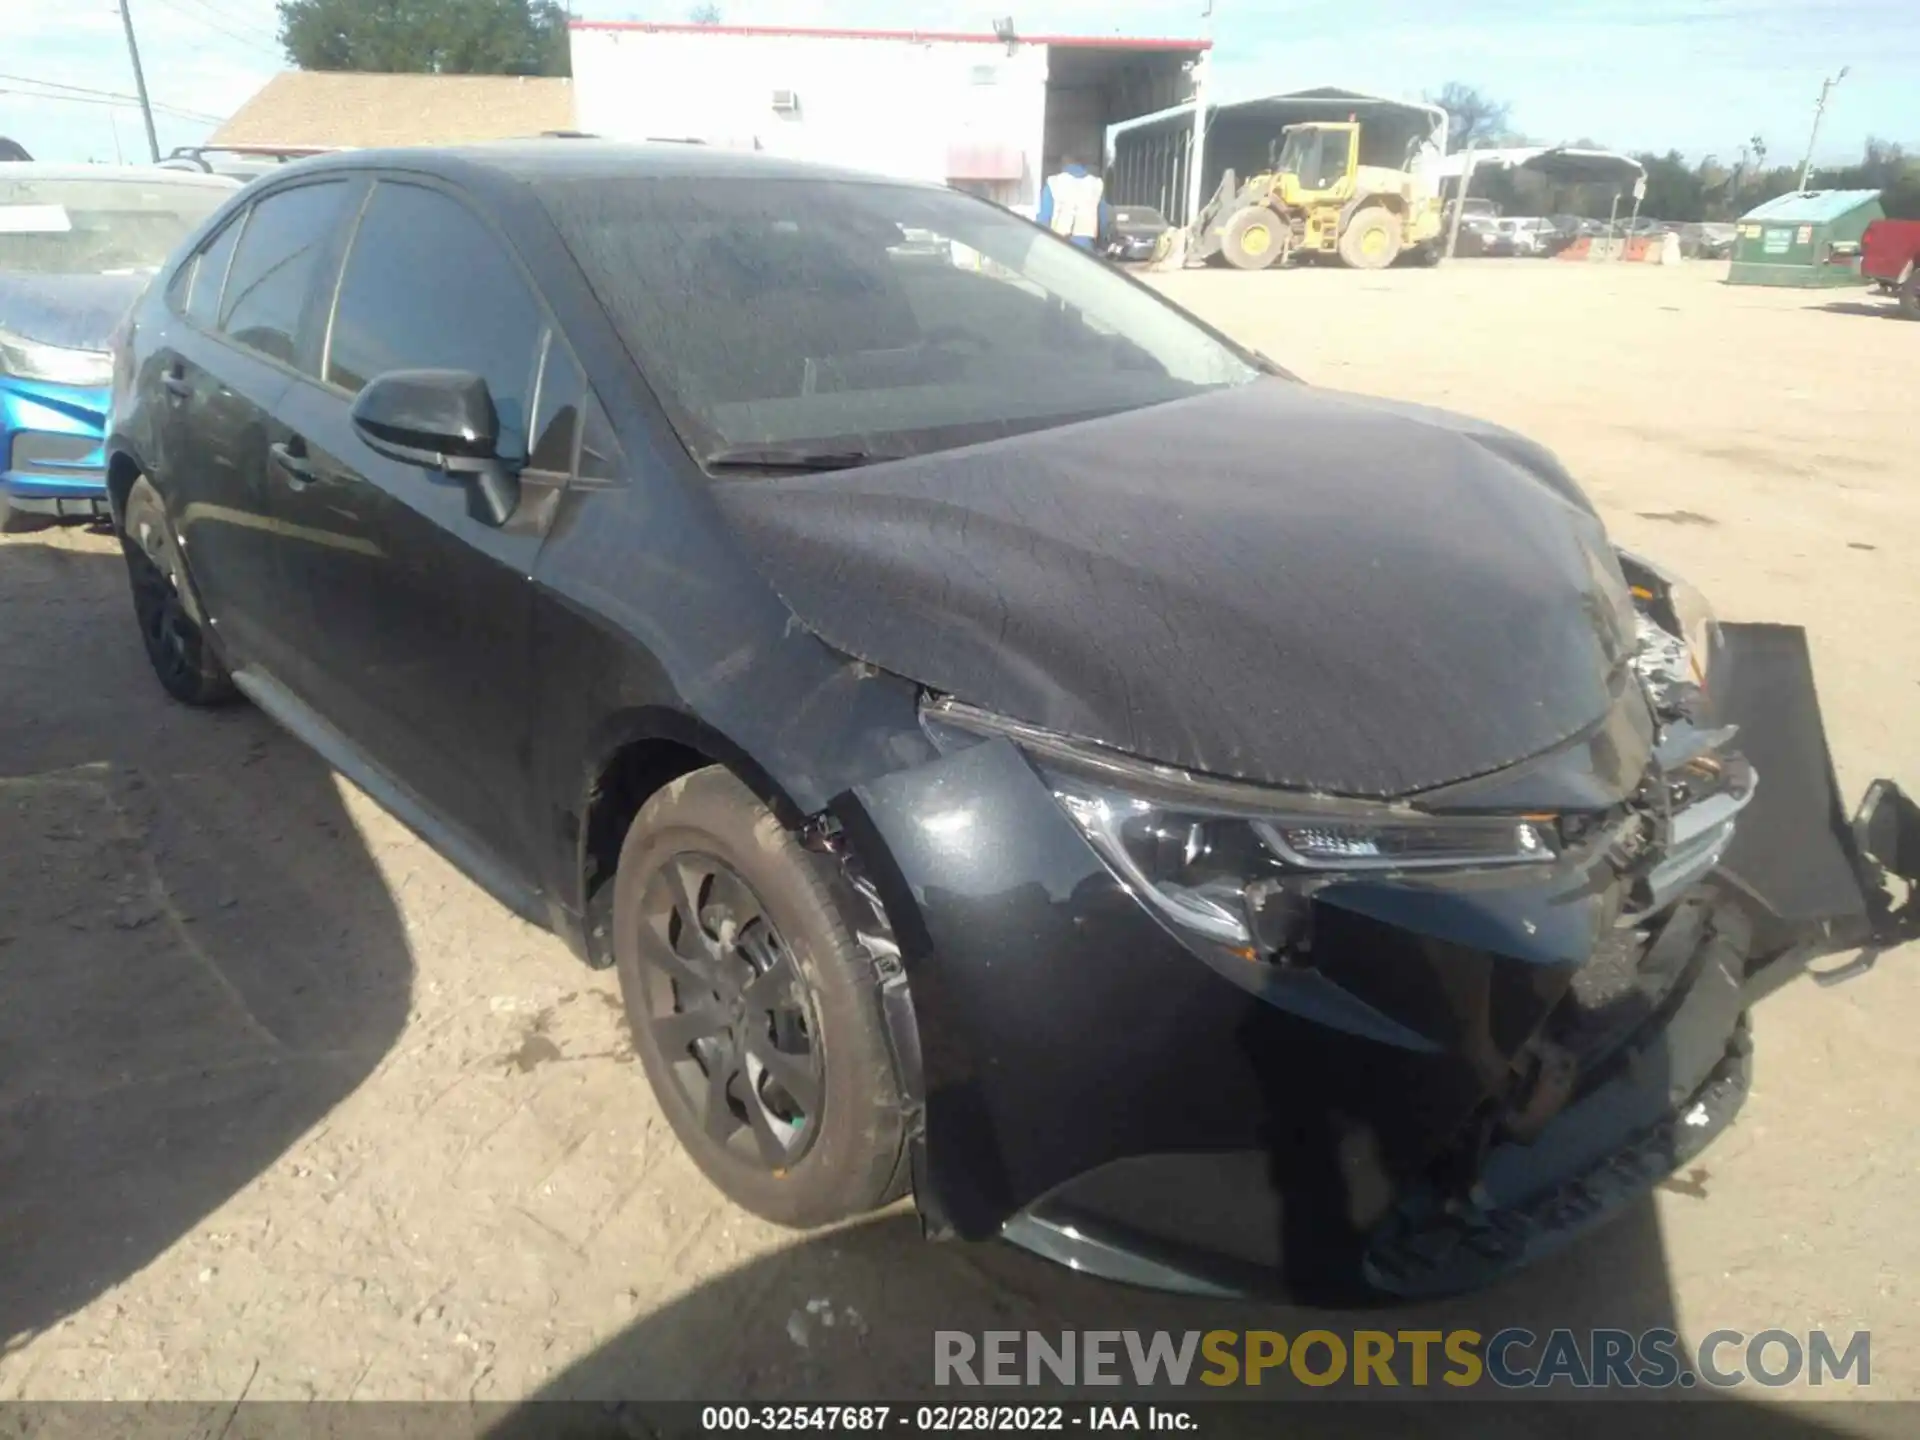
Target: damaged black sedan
[(1017, 746)]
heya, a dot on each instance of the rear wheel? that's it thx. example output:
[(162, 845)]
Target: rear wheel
[(1371, 239), (1254, 239), (172, 623), (755, 1012), (1910, 295)]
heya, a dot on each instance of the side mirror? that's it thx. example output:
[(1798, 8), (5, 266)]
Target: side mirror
[(441, 420)]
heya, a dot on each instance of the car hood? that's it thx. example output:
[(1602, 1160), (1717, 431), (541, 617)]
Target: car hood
[(1276, 583), (77, 312)]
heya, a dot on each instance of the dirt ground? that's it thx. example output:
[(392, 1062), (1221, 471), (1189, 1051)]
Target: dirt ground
[(289, 1109)]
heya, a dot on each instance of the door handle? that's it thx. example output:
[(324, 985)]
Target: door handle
[(292, 462), (176, 385)]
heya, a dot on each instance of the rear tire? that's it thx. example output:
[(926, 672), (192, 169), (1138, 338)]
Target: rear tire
[(1254, 239), (1371, 239), (1910, 295), (734, 959), (172, 622)]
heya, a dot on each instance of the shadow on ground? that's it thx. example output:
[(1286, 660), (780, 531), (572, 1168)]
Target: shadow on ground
[(198, 958), (1884, 310), (851, 1316)]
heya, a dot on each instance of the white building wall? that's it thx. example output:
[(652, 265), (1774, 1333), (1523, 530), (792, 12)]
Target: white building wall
[(897, 107)]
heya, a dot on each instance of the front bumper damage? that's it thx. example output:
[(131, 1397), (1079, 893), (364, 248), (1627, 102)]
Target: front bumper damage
[(1558, 1043)]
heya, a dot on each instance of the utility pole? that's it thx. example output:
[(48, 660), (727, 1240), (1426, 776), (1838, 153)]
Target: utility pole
[(140, 81), (1197, 150), (1460, 199), (1826, 89)]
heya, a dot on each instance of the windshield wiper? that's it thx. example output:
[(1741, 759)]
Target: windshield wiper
[(792, 457)]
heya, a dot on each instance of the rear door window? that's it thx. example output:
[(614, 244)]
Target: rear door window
[(427, 285), (273, 270), (207, 272)]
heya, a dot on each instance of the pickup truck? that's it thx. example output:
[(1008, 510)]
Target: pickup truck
[(1890, 257)]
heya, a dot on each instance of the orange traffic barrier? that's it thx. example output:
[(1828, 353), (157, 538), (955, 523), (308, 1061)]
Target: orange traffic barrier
[(1579, 249)]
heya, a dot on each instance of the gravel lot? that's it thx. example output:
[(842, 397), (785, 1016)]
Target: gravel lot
[(290, 1109)]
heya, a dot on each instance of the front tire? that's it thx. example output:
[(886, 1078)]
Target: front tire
[(1371, 239), (1254, 239), (755, 1011), (172, 622)]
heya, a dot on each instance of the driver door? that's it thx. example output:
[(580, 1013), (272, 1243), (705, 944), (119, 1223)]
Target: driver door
[(420, 612)]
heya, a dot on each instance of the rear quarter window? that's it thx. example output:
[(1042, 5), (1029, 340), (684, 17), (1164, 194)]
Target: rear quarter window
[(196, 287), (273, 270)]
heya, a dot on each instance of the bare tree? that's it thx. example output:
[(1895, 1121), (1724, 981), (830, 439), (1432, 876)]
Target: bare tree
[(704, 15), (1472, 118)]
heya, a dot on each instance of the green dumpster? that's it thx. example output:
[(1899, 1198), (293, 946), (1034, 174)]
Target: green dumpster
[(1811, 237)]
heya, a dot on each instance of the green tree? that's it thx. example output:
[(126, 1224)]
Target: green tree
[(438, 37), (1472, 118), (1675, 190)]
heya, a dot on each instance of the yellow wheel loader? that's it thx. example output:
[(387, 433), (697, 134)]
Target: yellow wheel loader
[(1317, 197)]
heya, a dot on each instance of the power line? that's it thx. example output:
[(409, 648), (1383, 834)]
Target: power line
[(126, 104), (53, 90), (219, 7), (252, 39), (88, 92)]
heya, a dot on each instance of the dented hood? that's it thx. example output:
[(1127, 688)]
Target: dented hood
[(1281, 584)]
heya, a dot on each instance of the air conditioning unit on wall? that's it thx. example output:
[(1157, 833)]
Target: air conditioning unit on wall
[(786, 102)]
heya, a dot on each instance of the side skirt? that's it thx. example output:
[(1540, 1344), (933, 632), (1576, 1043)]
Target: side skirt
[(473, 859)]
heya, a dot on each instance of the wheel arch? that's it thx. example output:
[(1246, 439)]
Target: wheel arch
[(123, 468), (1385, 199), (636, 754)]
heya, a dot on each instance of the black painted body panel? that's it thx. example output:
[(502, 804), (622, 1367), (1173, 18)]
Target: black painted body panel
[(1285, 585)]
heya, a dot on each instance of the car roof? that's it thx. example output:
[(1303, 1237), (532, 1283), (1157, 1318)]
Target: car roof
[(579, 158), (144, 174)]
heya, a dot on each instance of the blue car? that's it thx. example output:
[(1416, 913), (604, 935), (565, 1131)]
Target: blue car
[(77, 246)]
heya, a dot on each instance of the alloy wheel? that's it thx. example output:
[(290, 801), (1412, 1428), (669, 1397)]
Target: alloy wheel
[(730, 1012), (171, 636)]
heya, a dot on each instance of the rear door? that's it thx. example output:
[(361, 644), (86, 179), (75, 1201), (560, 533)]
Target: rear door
[(418, 614), (242, 316)]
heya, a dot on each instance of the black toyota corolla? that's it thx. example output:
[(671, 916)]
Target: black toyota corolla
[(1017, 746)]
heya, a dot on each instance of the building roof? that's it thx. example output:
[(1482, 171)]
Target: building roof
[(1280, 105), (1567, 164), (1811, 207), (946, 37), (317, 108)]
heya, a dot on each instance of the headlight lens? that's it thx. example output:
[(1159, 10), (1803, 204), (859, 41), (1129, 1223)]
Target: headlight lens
[(1238, 864), (54, 364)]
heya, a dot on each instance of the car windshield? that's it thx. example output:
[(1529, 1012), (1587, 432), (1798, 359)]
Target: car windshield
[(807, 321), (98, 227)]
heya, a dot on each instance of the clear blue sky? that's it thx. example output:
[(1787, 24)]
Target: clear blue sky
[(1635, 74)]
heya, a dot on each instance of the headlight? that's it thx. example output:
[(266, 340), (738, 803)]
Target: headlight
[(1238, 864), (55, 364), (1676, 607)]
